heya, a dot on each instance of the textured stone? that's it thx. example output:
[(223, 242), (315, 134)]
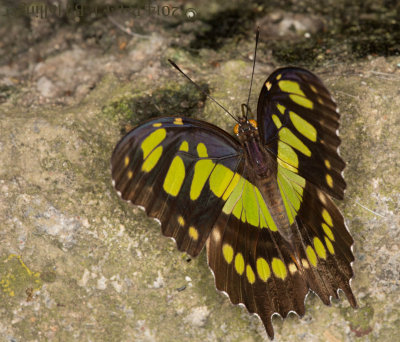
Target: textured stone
[(83, 265)]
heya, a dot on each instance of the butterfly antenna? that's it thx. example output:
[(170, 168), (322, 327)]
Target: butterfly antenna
[(201, 90), (254, 64)]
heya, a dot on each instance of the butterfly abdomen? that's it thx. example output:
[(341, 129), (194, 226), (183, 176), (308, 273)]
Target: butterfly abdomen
[(264, 169), (272, 196)]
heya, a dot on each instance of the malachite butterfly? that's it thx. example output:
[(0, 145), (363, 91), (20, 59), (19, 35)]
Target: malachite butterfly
[(259, 201)]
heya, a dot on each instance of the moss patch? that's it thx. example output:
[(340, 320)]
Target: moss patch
[(360, 320), (172, 99), (16, 279)]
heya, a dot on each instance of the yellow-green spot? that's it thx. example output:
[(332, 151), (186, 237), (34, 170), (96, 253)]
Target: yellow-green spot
[(313, 88), (193, 233), (237, 210), (152, 141), (175, 176), (126, 161), (202, 170), (243, 217), (276, 121), (287, 154), (279, 77), (130, 174), (329, 180), (327, 164), (181, 220), (239, 263), (202, 150), (297, 181), (263, 269), (302, 101), (287, 136), (178, 121), (220, 179), (290, 87), (290, 193), (250, 204), (305, 263), (227, 252), (292, 268), (329, 245), (152, 160), (251, 277), (311, 255), (281, 108), (157, 124), (232, 185), (242, 202), (298, 190), (266, 218), (286, 204), (304, 127), (268, 85), (287, 166), (328, 231), (246, 203), (234, 197), (263, 222), (319, 248), (184, 146), (327, 217), (279, 268)]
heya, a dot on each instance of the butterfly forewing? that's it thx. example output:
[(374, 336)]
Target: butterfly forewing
[(298, 120), (177, 168)]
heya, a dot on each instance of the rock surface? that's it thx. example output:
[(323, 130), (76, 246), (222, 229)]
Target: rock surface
[(78, 264)]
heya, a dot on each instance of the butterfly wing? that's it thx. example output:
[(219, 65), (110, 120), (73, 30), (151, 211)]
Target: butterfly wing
[(298, 120), (177, 169), (257, 266), (252, 262)]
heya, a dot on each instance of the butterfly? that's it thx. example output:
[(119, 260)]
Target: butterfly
[(260, 201)]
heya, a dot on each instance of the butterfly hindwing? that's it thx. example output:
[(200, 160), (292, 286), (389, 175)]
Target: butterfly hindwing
[(256, 265), (178, 170), (324, 246), (298, 119), (252, 262)]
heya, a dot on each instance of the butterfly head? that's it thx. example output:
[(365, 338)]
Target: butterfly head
[(245, 127)]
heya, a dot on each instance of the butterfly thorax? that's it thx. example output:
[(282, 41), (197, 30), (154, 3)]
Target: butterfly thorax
[(255, 153), (263, 172)]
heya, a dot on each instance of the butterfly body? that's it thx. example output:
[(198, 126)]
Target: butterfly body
[(263, 174), (259, 201)]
